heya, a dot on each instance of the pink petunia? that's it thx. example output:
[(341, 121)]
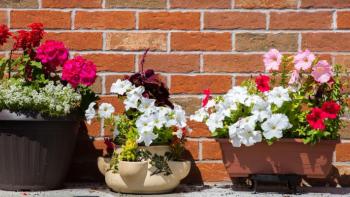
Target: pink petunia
[(303, 60), (322, 72), (294, 77), (272, 60)]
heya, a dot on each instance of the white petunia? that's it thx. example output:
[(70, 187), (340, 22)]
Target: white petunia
[(90, 113), (131, 101), (278, 96), (145, 124), (105, 110), (215, 121), (274, 126), (147, 137), (234, 132), (180, 116), (147, 105), (121, 87), (243, 132), (179, 133), (199, 115), (262, 110)]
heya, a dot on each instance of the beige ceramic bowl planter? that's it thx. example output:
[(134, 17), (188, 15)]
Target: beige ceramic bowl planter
[(286, 156), (136, 177)]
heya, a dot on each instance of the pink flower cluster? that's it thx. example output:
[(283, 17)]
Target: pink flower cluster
[(303, 61), (52, 54), (79, 71)]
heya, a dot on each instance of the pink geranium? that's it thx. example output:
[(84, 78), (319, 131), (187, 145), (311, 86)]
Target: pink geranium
[(52, 54), (79, 71), (303, 60), (294, 77), (272, 60), (322, 72)]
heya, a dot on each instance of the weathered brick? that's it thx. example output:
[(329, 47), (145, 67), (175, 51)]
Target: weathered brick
[(172, 63), (203, 4), (345, 131), (252, 4), (233, 63), (104, 20), (211, 150), (97, 86), (78, 40), (265, 41), (326, 41), (343, 60), (301, 20), (234, 20), (198, 129), (94, 128), (342, 152), (72, 4), (50, 19), (169, 20), (136, 41), (112, 62), (189, 104), (343, 20), (207, 172), (19, 4), (157, 4), (198, 41), (196, 84), (192, 149), (325, 4), (3, 17)]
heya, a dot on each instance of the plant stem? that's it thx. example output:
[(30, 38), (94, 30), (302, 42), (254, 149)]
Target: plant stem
[(9, 64)]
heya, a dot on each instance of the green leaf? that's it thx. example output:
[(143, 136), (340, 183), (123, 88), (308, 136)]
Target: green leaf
[(36, 64)]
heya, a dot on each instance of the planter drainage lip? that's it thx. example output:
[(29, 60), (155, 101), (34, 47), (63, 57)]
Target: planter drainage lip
[(283, 140), (6, 115)]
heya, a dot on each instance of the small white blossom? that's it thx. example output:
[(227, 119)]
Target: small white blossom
[(147, 137), (121, 87), (90, 113), (105, 110), (278, 96), (200, 115), (147, 105), (179, 133), (274, 126), (215, 121)]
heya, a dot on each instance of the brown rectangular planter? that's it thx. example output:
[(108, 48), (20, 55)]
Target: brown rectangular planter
[(286, 156)]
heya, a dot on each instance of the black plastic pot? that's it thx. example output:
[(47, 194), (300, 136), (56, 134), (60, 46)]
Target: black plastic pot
[(35, 153)]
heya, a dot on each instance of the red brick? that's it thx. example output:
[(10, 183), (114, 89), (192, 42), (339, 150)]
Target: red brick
[(189, 103), (325, 4), (3, 18), (201, 41), (97, 86), (94, 128), (192, 149), (104, 20), (301, 20), (169, 20), (233, 63), (78, 40), (211, 150), (136, 41), (342, 152), (198, 129), (213, 172), (265, 41), (326, 41), (72, 4), (252, 4), (204, 4), (112, 62), (100, 145), (343, 60), (172, 63), (234, 20), (152, 4), (50, 19), (196, 84), (343, 20)]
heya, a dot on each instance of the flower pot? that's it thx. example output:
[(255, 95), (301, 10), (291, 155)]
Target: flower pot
[(132, 177), (103, 164), (35, 153), (286, 156)]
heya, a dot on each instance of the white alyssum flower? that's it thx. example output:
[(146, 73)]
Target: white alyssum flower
[(105, 110), (90, 113), (274, 126), (121, 87), (278, 96)]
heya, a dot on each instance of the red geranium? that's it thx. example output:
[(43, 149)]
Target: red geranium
[(36, 34), (316, 118), (262, 83), (29, 39), (206, 98), (4, 34), (331, 109)]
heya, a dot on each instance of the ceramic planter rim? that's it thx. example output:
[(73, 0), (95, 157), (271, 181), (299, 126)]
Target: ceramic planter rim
[(286, 140)]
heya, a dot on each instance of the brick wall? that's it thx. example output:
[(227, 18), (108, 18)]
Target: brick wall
[(195, 44)]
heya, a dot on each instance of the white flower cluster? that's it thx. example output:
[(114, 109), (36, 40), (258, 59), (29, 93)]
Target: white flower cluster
[(246, 130), (52, 99), (152, 117)]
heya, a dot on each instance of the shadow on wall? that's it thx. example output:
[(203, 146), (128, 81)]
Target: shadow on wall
[(84, 162)]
